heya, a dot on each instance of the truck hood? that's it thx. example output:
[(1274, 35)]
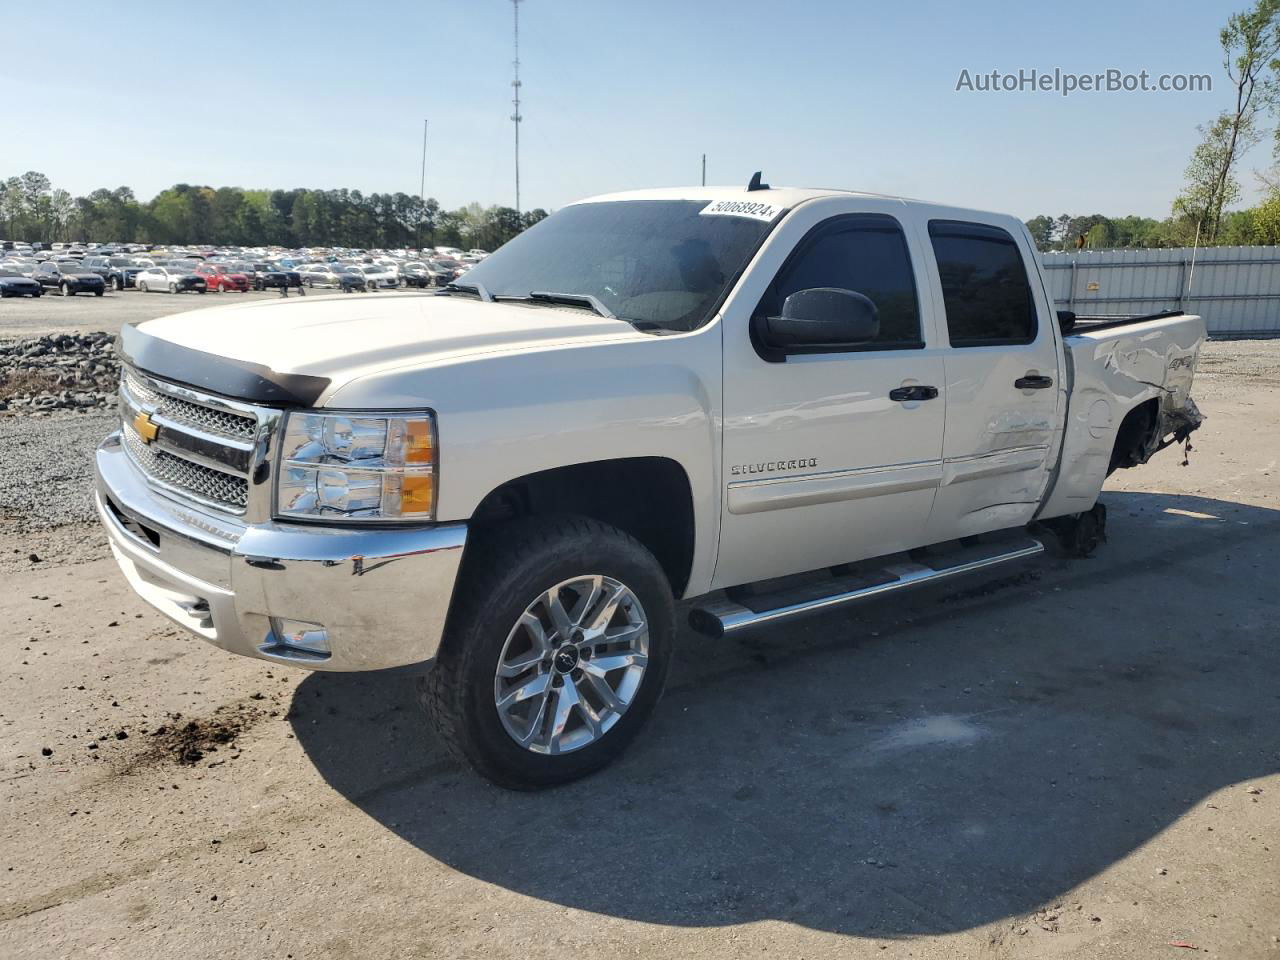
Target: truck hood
[(341, 338)]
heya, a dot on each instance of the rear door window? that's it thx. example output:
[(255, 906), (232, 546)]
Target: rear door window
[(985, 290)]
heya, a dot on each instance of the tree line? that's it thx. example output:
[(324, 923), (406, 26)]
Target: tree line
[(32, 209)]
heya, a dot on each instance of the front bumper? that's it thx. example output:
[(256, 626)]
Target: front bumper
[(382, 595)]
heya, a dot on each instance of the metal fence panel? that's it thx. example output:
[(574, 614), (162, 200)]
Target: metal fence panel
[(1235, 289)]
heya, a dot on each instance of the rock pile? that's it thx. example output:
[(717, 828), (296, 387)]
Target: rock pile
[(65, 371)]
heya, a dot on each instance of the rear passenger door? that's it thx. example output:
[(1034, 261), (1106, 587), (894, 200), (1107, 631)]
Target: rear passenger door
[(1003, 385)]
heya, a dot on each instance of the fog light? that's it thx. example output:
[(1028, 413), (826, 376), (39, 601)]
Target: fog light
[(300, 635)]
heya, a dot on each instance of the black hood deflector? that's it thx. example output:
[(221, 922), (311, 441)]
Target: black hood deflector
[(234, 379)]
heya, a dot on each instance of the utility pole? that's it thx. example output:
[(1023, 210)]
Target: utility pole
[(704, 169), (422, 186), (515, 99)]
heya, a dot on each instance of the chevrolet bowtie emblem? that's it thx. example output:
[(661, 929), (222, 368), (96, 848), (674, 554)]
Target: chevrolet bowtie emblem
[(145, 427)]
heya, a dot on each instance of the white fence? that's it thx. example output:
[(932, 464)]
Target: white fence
[(1235, 289)]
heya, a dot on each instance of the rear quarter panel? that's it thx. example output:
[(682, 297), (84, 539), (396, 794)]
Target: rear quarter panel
[(1112, 372)]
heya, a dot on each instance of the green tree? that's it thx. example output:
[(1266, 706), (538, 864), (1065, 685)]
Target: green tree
[(1250, 46)]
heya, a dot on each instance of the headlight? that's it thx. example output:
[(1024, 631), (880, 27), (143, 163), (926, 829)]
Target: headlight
[(357, 467)]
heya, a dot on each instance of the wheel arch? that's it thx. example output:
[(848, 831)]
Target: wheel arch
[(1137, 437), (650, 498)]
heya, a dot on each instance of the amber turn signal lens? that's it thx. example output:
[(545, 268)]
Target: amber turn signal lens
[(417, 442), (416, 493)]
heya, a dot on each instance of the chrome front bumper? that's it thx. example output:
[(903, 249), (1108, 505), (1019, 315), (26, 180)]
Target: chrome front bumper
[(382, 594)]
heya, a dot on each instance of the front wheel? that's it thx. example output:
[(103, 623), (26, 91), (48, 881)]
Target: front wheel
[(142, 286), (116, 285), (173, 288), (66, 290), (557, 651)]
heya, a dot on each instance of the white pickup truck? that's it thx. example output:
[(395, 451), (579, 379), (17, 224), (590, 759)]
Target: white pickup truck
[(761, 402)]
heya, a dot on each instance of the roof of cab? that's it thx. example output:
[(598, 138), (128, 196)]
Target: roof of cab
[(787, 197)]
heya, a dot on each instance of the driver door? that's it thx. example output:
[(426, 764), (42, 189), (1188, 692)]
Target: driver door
[(834, 453)]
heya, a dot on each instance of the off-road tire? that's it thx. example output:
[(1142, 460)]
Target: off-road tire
[(503, 572)]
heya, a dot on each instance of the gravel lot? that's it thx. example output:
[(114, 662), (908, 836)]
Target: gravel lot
[(1079, 759)]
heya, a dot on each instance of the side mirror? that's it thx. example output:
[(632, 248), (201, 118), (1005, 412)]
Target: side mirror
[(823, 317), (1066, 321)]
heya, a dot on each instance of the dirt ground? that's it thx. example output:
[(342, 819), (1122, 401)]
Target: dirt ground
[(1077, 759)]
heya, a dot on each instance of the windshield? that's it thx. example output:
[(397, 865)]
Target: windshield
[(655, 262)]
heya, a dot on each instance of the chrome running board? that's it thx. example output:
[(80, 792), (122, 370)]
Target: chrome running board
[(737, 613)]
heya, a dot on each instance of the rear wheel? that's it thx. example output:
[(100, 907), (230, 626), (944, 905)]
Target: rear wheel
[(116, 285), (556, 653), (66, 290), (173, 287), (98, 293), (142, 286)]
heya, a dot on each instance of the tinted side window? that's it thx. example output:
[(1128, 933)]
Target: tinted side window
[(866, 253), (984, 285)]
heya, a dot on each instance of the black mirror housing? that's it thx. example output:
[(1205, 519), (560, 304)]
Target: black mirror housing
[(823, 317)]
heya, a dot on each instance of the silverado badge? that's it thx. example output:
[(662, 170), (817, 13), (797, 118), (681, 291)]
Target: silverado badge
[(145, 427)]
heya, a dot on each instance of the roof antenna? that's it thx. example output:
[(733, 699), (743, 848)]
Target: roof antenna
[(755, 183)]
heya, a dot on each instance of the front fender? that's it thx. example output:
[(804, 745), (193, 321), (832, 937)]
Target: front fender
[(504, 416)]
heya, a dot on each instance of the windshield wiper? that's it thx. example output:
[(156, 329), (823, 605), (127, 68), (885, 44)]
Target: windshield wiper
[(574, 299), (476, 288)]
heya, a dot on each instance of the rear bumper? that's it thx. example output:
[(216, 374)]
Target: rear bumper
[(381, 595)]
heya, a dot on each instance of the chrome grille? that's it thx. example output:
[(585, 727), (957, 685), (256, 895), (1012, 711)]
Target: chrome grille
[(207, 419), (203, 482), (201, 447), (220, 422), (142, 392)]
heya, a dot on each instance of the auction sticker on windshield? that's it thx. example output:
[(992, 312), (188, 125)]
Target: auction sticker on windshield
[(741, 208)]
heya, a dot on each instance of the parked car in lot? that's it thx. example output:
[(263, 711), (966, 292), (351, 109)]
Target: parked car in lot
[(164, 278), (220, 281), (69, 278), (318, 274), (379, 276), (447, 270), (352, 278), (13, 283), (415, 273), (749, 417), (266, 276)]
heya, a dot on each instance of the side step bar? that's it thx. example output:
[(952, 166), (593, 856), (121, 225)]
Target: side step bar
[(738, 614)]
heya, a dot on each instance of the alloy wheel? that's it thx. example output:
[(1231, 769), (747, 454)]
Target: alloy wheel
[(572, 664)]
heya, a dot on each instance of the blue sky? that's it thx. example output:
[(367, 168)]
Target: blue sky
[(617, 95)]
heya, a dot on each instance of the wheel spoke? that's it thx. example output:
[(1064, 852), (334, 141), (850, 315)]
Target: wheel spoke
[(587, 601), (521, 692), (539, 648), (566, 698), (599, 666), (539, 715), (590, 716), (598, 685), (627, 634), (606, 609), (560, 621)]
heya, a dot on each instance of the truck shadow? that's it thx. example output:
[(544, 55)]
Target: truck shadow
[(920, 766)]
